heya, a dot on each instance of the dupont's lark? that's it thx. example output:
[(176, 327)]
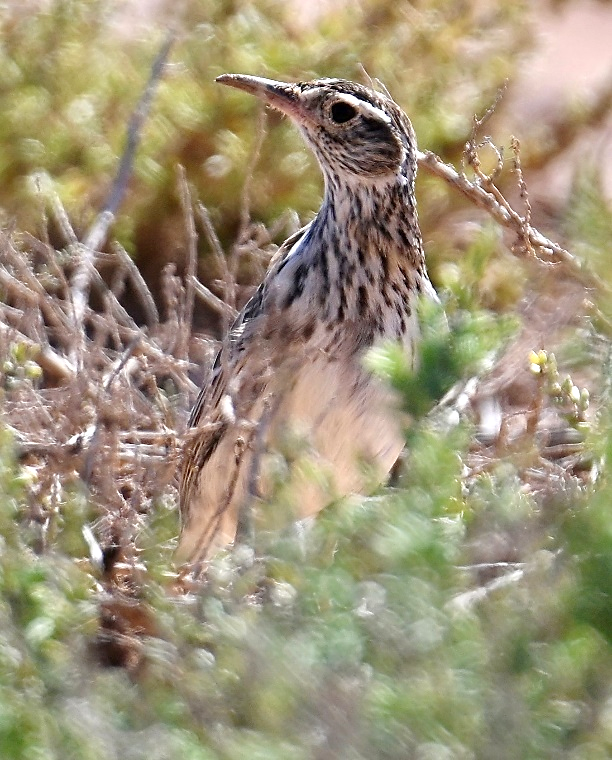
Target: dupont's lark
[(293, 361)]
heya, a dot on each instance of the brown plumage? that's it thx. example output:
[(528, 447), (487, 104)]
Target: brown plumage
[(292, 364)]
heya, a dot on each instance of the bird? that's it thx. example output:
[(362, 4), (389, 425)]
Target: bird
[(293, 361)]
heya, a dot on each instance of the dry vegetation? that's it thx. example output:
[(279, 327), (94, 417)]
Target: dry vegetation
[(448, 614)]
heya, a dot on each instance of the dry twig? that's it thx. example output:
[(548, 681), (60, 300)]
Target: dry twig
[(192, 263), (97, 234), (506, 216)]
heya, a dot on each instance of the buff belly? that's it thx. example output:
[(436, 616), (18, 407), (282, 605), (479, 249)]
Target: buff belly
[(336, 429)]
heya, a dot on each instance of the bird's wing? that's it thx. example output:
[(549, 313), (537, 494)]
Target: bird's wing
[(210, 394), (209, 421)]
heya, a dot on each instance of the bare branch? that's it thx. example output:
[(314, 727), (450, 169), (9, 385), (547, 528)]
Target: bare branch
[(229, 282), (245, 204), (192, 261), (522, 185), (31, 292), (58, 213), (120, 364), (80, 292), (138, 282), (116, 309), (97, 233), (213, 301), (505, 215), (467, 600), (170, 291), (473, 145)]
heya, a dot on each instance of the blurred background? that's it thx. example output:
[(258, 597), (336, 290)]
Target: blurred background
[(462, 614), (72, 72)]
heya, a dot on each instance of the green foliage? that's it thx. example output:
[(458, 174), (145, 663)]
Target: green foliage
[(360, 636), (446, 354), (573, 401), (375, 632), (20, 365), (479, 279), (589, 532), (589, 221), (46, 613), (71, 73)]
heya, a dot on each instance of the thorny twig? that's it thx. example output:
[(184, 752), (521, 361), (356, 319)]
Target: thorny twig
[(516, 149), (506, 216), (484, 194), (473, 144)]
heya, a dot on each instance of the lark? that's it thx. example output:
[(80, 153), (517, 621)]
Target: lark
[(292, 366)]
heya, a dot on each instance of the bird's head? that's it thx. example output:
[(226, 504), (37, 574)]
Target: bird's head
[(356, 133)]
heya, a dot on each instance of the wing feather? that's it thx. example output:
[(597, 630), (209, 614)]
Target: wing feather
[(210, 419)]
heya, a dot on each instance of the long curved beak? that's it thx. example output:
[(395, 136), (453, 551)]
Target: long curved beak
[(284, 97)]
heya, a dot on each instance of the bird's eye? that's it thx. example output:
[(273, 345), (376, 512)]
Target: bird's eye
[(342, 112)]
